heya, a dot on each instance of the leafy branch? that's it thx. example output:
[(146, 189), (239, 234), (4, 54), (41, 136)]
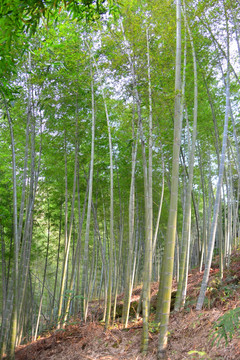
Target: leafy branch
[(226, 326)]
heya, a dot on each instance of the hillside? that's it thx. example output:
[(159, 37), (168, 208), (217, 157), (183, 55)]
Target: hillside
[(189, 330)]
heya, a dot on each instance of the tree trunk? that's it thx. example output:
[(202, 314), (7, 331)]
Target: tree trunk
[(14, 316), (44, 277), (128, 280), (86, 244), (167, 265), (217, 200), (180, 299)]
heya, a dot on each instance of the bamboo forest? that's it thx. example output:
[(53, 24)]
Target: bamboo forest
[(120, 179)]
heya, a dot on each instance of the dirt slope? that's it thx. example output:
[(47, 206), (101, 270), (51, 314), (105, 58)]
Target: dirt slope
[(189, 330)]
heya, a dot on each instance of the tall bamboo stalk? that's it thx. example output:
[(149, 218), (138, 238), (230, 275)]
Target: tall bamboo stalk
[(167, 265)]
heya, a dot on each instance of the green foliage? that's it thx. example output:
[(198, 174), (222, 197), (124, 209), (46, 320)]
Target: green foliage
[(72, 295), (154, 327), (198, 354), (20, 20), (226, 326), (189, 303), (25, 15), (229, 290)]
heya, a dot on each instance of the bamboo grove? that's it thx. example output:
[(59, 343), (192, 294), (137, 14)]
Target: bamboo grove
[(119, 157)]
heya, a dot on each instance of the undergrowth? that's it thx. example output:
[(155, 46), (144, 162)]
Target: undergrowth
[(226, 326)]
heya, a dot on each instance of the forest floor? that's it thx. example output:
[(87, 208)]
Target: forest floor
[(189, 331)]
